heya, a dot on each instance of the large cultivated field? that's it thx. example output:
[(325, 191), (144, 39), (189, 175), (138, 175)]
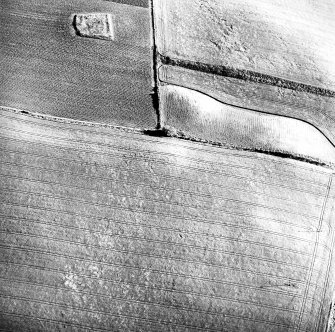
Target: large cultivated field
[(167, 165), (110, 229)]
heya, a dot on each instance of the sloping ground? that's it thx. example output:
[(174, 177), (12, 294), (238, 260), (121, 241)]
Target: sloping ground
[(311, 108), (204, 118), (276, 40), (268, 56), (111, 230)]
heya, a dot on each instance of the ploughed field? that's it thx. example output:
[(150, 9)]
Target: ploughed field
[(110, 229)]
